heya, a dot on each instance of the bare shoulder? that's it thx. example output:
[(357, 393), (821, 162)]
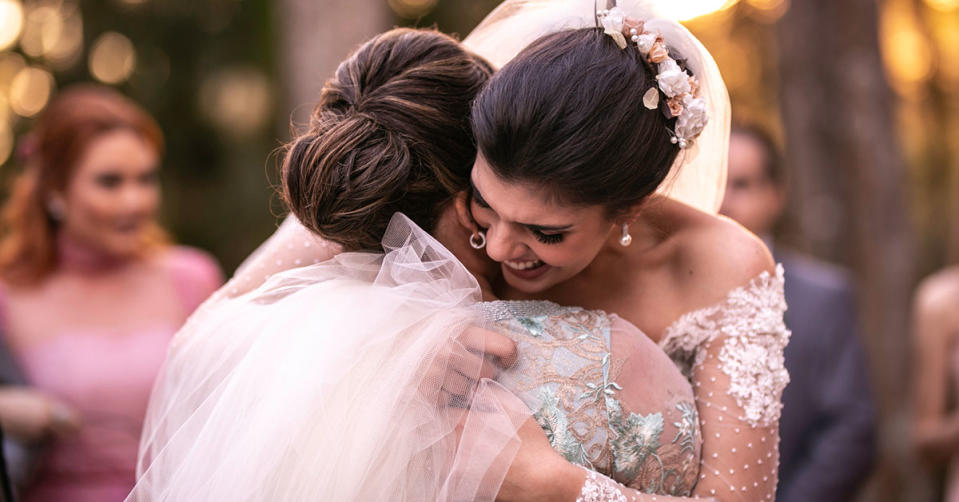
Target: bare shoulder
[(937, 295), (713, 255)]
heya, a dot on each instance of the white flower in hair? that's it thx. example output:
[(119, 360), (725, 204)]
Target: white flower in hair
[(613, 23), (645, 42), (672, 79), (693, 119)]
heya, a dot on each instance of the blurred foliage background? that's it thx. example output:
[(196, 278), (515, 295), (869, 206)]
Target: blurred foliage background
[(862, 94)]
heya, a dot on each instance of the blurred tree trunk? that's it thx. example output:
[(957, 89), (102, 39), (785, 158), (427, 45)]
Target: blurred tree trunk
[(314, 38), (848, 193)]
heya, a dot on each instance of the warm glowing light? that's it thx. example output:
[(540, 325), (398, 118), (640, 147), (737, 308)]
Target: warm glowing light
[(946, 33), (66, 50), (684, 10), (735, 59), (412, 9), (906, 52), (10, 65), (237, 100), (112, 58), (943, 5), (6, 141), (30, 91), (769, 11), (41, 29), (11, 22)]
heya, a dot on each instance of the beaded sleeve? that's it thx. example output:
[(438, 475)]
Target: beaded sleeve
[(733, 355)]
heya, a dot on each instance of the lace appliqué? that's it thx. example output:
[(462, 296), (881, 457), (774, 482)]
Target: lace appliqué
[(597, 489), (566, 375), (749, 323)]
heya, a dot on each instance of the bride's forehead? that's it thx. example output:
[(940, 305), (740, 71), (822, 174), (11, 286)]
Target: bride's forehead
[(522, 202)]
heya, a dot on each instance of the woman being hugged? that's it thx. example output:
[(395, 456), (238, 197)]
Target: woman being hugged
[(576, 135), (81, 240), (363, 377)]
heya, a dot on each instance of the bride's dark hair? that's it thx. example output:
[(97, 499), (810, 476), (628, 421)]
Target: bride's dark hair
[(567, 114), (390, 133)]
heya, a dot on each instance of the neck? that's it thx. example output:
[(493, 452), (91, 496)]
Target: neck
[(455, 238), (78, 256)]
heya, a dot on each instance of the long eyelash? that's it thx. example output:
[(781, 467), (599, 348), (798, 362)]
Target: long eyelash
[(479, 202), (548, 238)]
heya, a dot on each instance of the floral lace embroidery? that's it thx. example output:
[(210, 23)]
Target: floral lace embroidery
[(597, 489), (749, 323), (566, 376), (636, 443)]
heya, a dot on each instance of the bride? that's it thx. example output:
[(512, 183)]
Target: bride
[(232, 376)]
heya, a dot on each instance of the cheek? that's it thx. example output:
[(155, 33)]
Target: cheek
[(574, 253), (90, 203)]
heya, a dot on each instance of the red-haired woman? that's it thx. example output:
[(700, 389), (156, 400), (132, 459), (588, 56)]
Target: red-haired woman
[(90, 289)]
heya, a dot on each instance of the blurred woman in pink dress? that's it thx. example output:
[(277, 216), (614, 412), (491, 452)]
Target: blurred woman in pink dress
[(91, 291)]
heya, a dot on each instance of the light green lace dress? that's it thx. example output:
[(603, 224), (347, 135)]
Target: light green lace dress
[(607, 396)]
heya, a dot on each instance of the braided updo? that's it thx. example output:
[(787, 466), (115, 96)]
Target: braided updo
[(390, 133)]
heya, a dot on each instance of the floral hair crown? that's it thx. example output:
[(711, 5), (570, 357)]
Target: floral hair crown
[(680, 88)]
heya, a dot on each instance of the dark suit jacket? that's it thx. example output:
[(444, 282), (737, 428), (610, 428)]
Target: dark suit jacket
[(828, 422)]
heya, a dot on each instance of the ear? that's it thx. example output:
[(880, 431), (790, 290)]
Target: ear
[(629, 215), (463, 214)]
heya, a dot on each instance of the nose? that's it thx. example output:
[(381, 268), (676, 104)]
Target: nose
[(503, 244), (138, 199)]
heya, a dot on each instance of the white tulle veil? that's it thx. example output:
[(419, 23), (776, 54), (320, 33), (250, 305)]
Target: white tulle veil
[(331, 382), (698, 177)]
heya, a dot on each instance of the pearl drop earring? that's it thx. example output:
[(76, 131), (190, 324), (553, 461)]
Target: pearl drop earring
[(625, 239)]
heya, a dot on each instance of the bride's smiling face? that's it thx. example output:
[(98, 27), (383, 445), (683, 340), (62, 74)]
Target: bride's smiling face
[(537, 240)]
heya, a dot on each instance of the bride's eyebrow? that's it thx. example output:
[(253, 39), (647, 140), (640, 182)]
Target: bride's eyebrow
[(478, 197)]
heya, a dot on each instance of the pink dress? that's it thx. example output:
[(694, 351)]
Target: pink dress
[(106, 373)]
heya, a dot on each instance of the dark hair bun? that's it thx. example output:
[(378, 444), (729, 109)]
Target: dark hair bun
[(390, 133)]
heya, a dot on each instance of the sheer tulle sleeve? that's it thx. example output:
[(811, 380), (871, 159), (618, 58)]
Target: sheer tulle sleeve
[(733, 355)]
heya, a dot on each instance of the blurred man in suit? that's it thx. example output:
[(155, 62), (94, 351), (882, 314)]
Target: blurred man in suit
[(828, 422)]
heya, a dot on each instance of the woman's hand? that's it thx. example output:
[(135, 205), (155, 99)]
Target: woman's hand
[(465, 360), (31, 415), (538, 472)]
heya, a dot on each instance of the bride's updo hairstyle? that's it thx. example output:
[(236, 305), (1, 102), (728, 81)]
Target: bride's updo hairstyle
[(390, 133), (567, 114)]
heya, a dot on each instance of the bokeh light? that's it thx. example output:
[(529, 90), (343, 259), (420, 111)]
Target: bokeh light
[(905, 50), (6, 141), (690, 9), (42, 26), (412, 9), (943, 5), (66, 49), (237, 100), (112, 58), (768, 11), (30, 91), (53, 30), (945, 31), (11, 22), (10, 65)]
